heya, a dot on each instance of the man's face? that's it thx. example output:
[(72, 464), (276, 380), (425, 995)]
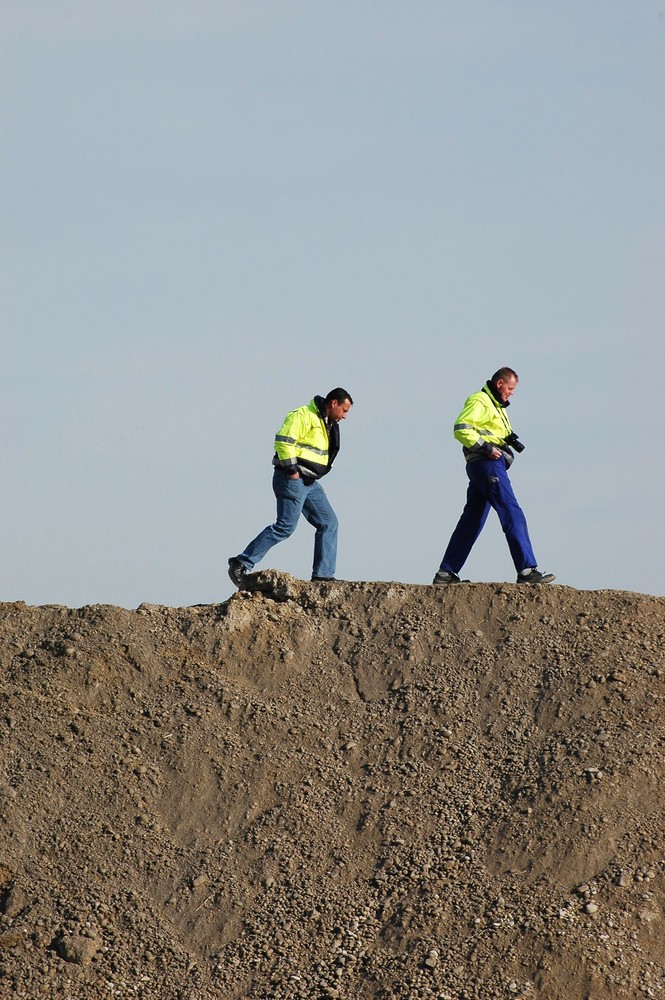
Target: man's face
[(338, 411), (506, 387)]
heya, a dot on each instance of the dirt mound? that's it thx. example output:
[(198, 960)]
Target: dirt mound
[(335, 790)]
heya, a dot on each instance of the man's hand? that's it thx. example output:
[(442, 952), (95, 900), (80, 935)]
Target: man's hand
[(495, 453), (296, 475)]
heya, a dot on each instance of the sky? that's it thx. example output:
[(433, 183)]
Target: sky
[(213, 211)]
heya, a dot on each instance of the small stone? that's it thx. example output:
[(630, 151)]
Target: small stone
[(78, 949), (13, 902), (591, 908)]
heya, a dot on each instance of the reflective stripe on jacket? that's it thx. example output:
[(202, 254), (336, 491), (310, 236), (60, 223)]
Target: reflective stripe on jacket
[(483, 424), (304, 441)]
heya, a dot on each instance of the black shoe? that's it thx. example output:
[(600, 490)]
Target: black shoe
[(443, 576), (534, 576), (321, 579), (237, 571)]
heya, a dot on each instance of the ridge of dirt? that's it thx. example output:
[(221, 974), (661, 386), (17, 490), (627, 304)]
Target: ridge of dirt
[(350, 790)]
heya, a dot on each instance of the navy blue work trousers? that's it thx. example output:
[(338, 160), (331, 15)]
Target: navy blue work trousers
[(489, 486)]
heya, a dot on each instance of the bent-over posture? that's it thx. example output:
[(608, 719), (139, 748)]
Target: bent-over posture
[(306, 446)]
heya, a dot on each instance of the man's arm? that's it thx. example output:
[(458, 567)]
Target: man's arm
[(471, 428), (286, 439)]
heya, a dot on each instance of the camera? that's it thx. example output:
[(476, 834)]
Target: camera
[(514, 442)]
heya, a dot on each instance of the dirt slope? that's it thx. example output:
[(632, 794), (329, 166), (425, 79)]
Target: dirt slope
[(353, 790)]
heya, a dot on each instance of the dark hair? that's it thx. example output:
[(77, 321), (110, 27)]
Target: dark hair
[(504, 373), (339, 395)]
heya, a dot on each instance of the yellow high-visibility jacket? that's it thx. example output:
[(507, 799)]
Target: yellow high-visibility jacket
[(482, 425), (306, 441)]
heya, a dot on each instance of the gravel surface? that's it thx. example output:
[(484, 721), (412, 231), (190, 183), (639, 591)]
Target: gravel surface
[(348, 790)]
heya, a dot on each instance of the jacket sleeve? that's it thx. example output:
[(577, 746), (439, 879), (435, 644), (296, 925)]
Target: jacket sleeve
[(287, 437), (471, 427)]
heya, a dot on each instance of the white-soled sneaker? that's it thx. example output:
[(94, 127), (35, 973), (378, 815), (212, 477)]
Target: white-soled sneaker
[(534, 576)]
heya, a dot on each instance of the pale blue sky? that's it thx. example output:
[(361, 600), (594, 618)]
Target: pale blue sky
[(214, 210)]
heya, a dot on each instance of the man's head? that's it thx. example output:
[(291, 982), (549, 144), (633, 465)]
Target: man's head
[(504, 382), (338, 404)]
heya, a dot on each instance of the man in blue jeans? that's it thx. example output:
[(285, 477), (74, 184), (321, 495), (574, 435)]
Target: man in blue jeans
[(483, 429), (306, 446)]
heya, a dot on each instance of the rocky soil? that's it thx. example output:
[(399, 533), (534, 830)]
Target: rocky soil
[(351, 790)]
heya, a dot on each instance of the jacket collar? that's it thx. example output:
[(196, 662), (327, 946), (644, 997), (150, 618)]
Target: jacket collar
[(320, 404), (490, 389), (331, 426)]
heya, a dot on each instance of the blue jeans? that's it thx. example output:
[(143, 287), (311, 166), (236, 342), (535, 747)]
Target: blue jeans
[(294, 499), (489, 486)]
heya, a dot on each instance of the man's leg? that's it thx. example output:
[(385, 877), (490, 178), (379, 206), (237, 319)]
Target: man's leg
[(503, 500), (468, 528), (290, 495), (319, 513)]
